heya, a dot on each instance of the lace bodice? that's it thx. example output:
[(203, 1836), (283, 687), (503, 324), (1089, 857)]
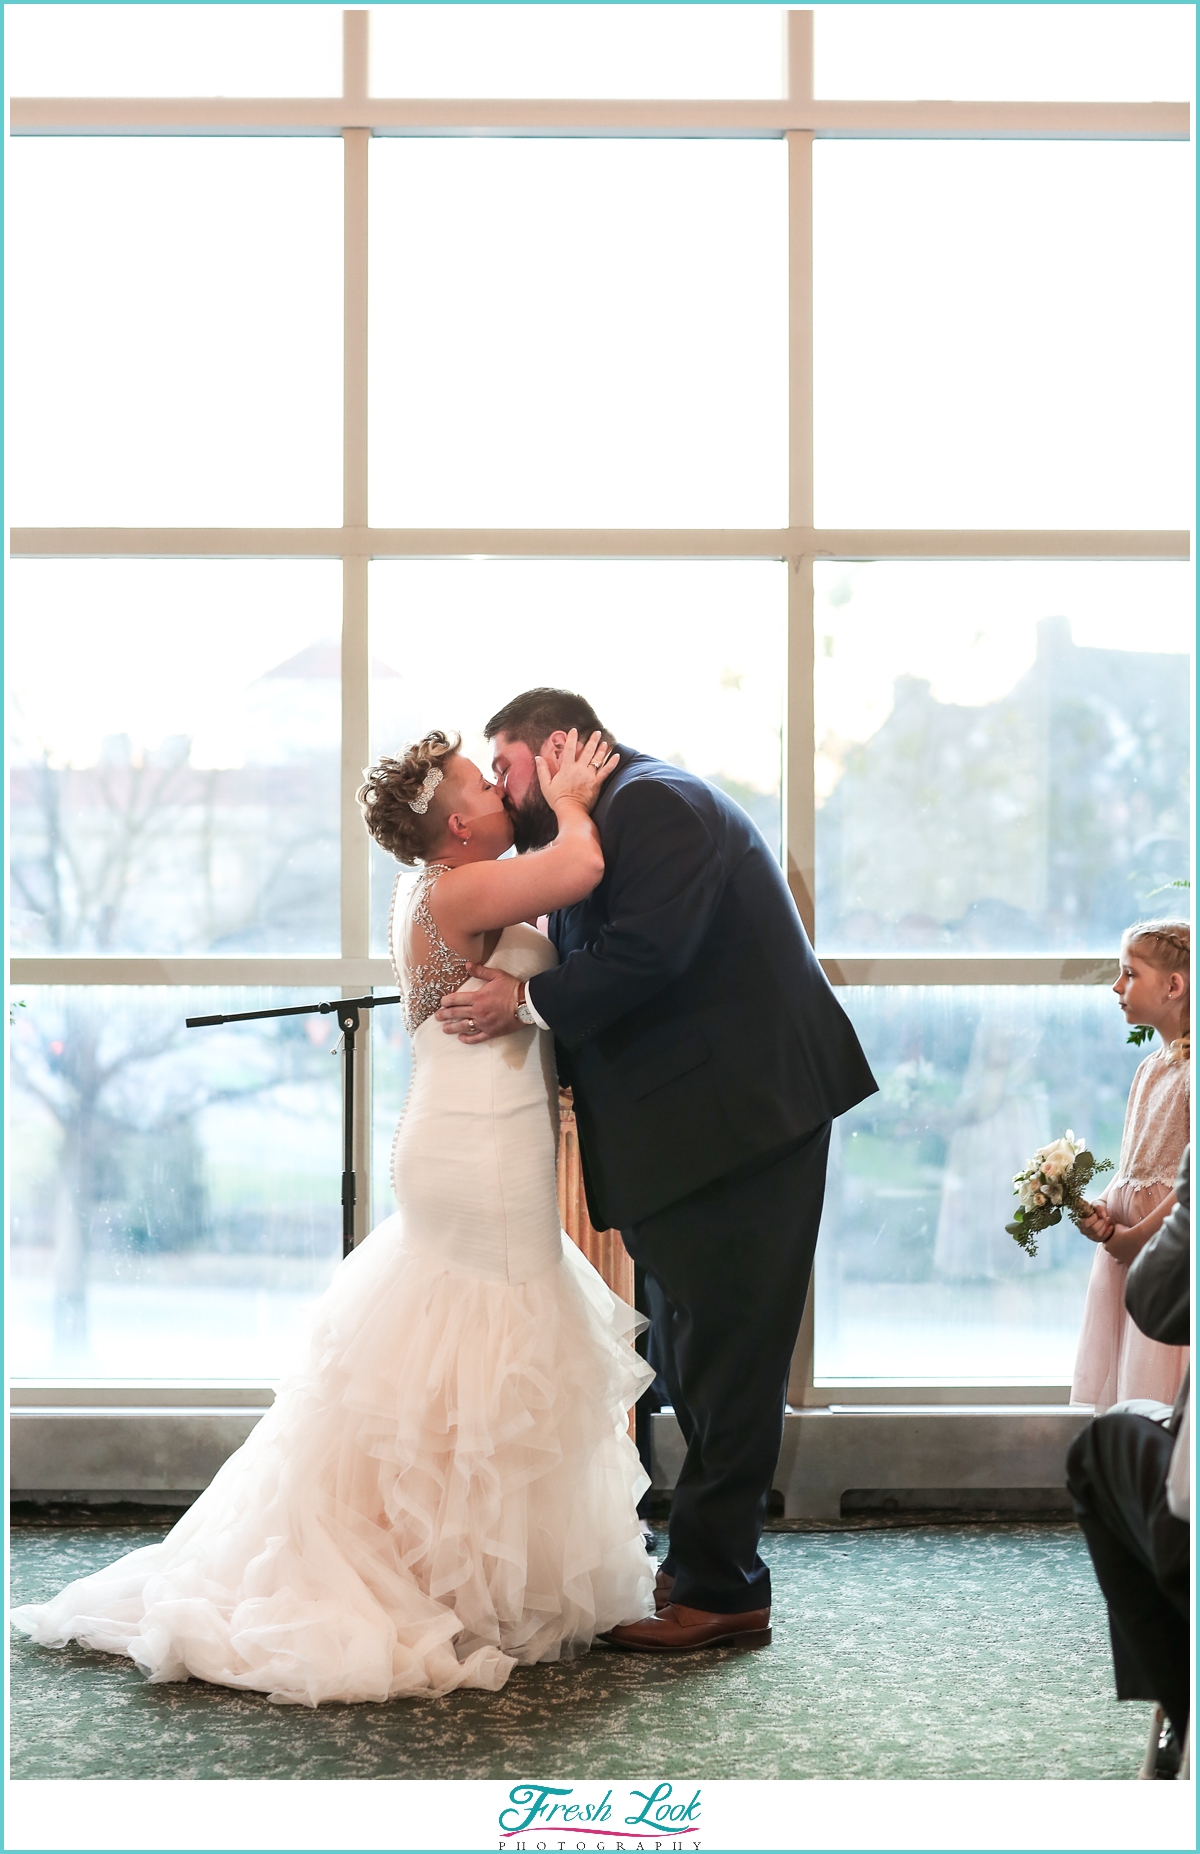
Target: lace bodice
[(424, 982), (1156, 1123)]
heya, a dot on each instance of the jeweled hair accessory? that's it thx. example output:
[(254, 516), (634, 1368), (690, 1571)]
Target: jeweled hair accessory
[(433, 778)]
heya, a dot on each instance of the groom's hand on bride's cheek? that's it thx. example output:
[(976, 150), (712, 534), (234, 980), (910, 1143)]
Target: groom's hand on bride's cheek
[(474, 1016)]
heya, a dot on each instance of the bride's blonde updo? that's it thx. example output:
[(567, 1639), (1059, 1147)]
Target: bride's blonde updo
[(1168, 945), (395, 788)]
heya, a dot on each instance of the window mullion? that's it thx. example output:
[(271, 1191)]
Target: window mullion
[(315, 971), (356, 731), (720, 119), (799, 795), (354, 407), (356, 26), (799, 744), (603, 543)]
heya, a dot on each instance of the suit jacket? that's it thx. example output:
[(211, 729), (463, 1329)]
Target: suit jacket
[(692, 1019), (1157, 1288)]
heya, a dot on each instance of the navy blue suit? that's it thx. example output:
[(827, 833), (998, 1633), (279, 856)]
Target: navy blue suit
[(708, 1054)]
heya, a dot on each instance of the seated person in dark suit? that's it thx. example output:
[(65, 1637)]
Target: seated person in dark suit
[(1117, 1472)]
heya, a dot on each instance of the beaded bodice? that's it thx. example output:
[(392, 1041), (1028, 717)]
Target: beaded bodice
[(423, 981)]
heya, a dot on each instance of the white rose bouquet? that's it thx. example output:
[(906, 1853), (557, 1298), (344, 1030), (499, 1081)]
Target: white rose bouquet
[(1053, 1181)]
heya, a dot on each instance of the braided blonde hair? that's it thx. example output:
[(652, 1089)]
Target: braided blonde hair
[(386, 799), (1168, 945)]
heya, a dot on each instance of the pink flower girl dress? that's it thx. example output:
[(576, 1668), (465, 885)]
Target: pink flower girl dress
[(1115, 1359)]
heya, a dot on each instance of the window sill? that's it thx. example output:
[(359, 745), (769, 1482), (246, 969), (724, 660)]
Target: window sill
[(830, 1452), (97, 1452), (141, 1393)]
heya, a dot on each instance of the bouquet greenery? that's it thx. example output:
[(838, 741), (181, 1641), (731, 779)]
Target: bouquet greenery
[(1054, 1180)]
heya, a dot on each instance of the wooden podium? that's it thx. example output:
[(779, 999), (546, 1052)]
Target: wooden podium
[(603, 1248)]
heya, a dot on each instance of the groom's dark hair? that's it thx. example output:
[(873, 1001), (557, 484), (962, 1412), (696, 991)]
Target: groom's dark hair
[(532, 717)]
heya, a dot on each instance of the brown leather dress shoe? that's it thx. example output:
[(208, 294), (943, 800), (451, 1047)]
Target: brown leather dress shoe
[(664, 1583), (677, 1629)]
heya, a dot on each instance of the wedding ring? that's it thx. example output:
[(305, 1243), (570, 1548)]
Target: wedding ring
[(470, 1023)]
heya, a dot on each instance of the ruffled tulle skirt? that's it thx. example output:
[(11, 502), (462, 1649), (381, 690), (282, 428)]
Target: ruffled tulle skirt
[(445, 1489)]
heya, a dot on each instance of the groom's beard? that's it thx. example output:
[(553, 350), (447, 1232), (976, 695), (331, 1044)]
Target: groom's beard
[(533, 820)]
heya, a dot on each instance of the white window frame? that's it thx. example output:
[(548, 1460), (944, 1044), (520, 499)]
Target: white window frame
[(799, 119)]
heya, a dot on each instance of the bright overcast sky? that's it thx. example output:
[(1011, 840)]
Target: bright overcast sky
[(1046, 51)]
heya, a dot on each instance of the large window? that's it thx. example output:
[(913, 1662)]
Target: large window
[(175, 1195), (1002, 340), (176, 310), (835, 442), (1002, 753), (682, 658), (916, 1279), (601, 343), (175, 750)]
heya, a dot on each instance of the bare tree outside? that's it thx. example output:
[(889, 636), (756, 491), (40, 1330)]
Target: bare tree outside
[(144, 851), (127, 1092)]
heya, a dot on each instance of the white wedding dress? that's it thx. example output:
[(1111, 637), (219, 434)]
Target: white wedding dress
[(446, 1486)]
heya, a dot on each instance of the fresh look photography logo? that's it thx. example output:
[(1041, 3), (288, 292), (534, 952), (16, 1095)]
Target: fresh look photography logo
[(622, 1818)]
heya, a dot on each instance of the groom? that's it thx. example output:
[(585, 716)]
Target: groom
[(708, 1055)]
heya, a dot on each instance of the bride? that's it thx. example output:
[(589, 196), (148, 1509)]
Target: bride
[(445, 1487)]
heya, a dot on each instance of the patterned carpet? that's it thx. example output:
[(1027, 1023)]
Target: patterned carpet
[(966, 1650)]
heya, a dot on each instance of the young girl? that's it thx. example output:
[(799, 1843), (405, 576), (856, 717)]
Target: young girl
[(1116, 1360)]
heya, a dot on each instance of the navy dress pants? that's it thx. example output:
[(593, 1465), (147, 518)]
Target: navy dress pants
[(727, 1271), (1117, 1475)]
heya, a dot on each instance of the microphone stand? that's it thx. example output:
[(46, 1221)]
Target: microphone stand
[(348, 1020)]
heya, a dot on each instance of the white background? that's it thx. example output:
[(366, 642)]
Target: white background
[(736, 1816)]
